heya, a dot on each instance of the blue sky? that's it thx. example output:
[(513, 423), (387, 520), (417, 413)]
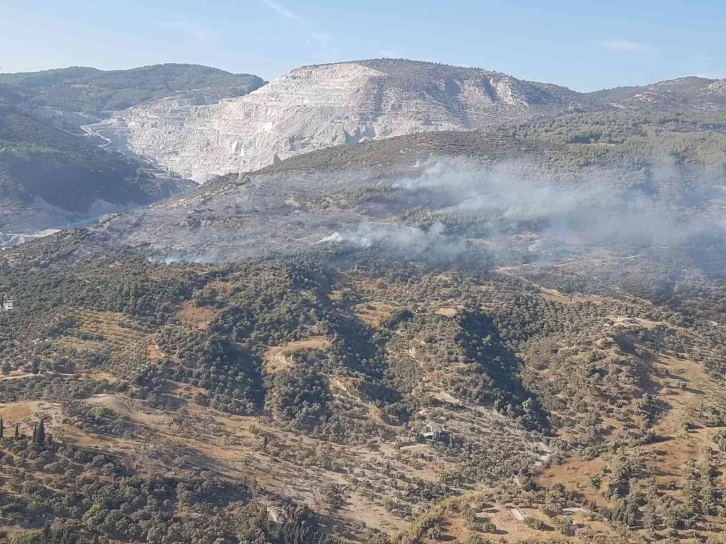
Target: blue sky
[(581, 44)]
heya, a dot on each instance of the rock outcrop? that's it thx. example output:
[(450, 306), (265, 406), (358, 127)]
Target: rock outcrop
[(322, 106)]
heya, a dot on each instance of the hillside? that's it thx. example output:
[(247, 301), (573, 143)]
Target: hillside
[(57, 94), (49, 177), (570, 140), (92, 90), (364, 390), (512, 334), (320, 106), (687, 93)]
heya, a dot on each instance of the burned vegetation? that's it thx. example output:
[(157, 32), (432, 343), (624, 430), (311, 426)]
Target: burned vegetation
[(419, 355)]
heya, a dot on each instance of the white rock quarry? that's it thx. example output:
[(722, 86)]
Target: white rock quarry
[(319, 106)]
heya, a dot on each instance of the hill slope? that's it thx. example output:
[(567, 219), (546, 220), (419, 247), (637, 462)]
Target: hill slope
[(571, 141), (48, 176), (430, 402), (355, 196), (57, 95), (514, 334), (319, 106), (89, 89), (686, 93)]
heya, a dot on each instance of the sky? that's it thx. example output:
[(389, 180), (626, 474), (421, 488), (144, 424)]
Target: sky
[(584, 45)]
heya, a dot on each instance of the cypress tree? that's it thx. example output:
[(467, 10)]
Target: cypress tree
[(17, 431), (40, 435), (35, 433), (2, 428)]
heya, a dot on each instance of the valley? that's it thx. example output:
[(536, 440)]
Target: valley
[(56, 168), (353, 441), (409, 303)]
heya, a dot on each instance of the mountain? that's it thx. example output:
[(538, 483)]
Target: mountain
[(686, 93), (57, 94), (320, 106), (49, 177), (200, 122)]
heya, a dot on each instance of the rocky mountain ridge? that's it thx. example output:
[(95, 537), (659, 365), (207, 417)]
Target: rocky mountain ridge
[(315, 107), (685, 93)]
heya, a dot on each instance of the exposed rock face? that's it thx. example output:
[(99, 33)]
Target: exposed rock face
[(321, 106)]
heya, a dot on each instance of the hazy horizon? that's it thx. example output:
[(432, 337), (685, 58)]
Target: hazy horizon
[(701, 76), (596, 47)]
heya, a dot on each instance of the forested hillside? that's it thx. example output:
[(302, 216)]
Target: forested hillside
[(512, 335), (91, 90), (467, 336), (225, 391), (570, 140)]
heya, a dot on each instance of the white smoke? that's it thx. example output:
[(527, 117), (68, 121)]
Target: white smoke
[(443, 209)]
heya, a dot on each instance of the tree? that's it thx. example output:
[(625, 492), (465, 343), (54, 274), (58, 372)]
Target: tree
[(40, 434), (17, 431), (2, 428)]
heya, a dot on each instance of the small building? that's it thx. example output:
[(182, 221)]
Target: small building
[(7, 303), (434, 431)]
